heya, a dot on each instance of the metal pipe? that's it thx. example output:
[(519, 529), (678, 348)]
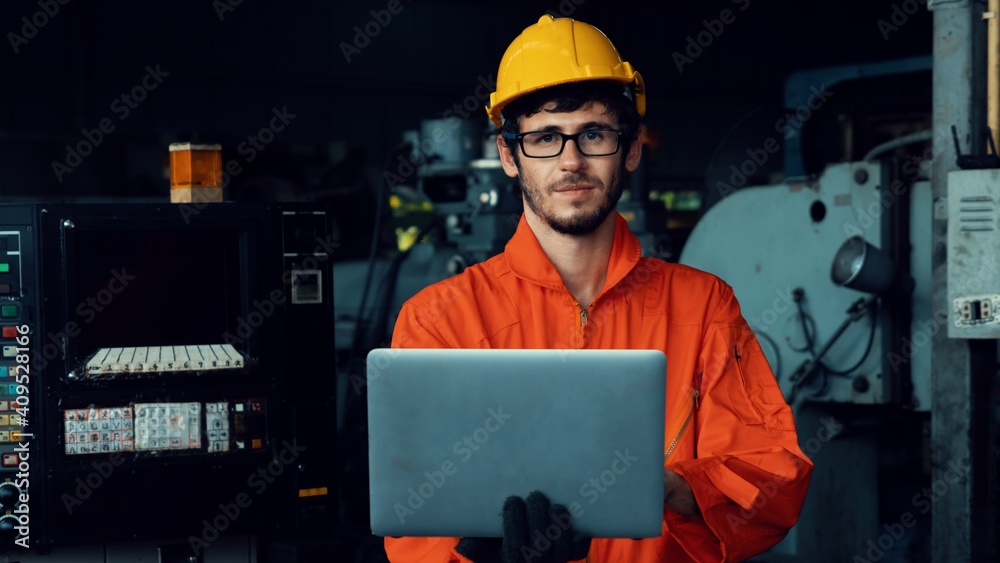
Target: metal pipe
[(959, 71), (992, 17)]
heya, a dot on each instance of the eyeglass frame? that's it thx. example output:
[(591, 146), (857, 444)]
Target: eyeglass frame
[(519, 137)]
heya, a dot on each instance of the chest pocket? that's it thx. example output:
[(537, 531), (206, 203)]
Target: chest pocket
[(753, 389)]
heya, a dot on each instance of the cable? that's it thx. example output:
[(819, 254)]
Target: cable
[(868, 347), (373, 252), (389, 281), (354, 431), (810, 344), (896, 143), (361, 322), (798, 294), (813, 367)]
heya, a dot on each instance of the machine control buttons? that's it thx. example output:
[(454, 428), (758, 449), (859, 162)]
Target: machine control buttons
[(156, 427), (217, 426), (9, 331), (104, 430), (9, 311), (8, 495), (167, 426), (7, 527)]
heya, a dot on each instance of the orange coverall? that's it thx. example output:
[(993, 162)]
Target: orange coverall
[(729, 431)]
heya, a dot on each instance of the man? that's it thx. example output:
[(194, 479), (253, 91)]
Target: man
[(572, 276)]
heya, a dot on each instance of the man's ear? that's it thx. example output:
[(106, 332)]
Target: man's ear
[(506, 158), (634, 153)]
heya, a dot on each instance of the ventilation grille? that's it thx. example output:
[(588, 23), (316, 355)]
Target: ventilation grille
[(977, 213)]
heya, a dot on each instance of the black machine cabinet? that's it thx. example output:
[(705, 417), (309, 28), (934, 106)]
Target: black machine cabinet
[(167, 372)]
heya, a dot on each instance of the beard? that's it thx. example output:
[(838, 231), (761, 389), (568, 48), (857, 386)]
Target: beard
[(583, 222)]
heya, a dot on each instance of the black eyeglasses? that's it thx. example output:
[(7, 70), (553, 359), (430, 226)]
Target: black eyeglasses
[(546, 144)]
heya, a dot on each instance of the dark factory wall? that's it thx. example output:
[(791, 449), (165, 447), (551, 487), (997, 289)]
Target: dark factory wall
[(92, 93)]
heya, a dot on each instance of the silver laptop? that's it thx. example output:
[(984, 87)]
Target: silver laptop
[(454, 432)]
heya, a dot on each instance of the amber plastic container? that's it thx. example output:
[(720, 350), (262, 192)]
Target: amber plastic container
[(195, 172)]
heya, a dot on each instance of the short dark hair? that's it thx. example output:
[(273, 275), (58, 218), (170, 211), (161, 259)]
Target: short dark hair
[(571, 97)]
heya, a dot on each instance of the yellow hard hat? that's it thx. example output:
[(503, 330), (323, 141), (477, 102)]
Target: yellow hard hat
[(558, 51)]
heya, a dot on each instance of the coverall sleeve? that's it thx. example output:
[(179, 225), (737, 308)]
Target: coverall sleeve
[(412, 330), (749, 476)]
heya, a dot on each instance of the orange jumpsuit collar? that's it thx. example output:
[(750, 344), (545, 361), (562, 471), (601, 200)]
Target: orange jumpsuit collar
[(526, 258)]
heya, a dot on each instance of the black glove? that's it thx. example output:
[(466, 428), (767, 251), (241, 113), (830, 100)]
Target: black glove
[(533, 532)]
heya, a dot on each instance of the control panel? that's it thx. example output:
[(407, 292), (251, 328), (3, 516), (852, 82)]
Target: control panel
[(17, 343), (166, 428), (156, 366)]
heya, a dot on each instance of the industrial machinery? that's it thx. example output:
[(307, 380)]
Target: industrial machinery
[(852, 358), (834, 268), (780, 267), (169, 373), (452, 206)]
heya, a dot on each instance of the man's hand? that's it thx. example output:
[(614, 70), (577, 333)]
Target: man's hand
[(677, 495), (533, 532)]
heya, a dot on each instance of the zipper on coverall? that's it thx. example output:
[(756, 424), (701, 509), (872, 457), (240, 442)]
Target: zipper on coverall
[(684, 425), (583, 323), (687, 418), (694, 393)]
